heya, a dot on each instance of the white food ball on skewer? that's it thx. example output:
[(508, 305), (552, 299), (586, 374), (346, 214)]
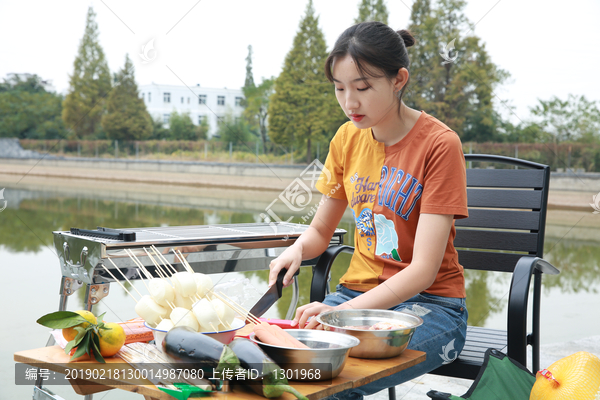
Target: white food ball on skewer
[(183, 302), (204, 284), (184, 317), (225, 313), (184, 283), (165, 325), (161, 291), (206, 315), (150, 311)]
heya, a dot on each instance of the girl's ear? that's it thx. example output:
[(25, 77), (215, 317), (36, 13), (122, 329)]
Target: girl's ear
[(401, 79)]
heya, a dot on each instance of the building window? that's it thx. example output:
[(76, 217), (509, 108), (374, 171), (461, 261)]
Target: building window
[(149, 97), (238, 101), (188, 100), (201, 99), (166, 118), (144, 96), (182, 100), (167, 97), (201, 119), (220, 100)]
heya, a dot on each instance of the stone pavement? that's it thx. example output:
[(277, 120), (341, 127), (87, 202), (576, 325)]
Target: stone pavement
[(417, 388)]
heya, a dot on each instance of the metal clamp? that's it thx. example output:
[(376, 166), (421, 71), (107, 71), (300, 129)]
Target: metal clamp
[(70, 286), (95, 293)]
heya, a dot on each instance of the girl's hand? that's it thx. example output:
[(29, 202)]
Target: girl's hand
[(290, 259), (312, 310)]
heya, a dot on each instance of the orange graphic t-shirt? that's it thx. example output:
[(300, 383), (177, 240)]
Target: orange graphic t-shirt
[(387, 189)]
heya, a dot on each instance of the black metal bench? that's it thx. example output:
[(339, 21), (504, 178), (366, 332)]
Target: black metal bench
[(505, 233)]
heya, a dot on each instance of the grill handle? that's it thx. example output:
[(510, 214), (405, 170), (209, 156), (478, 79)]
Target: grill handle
[(106, 233)]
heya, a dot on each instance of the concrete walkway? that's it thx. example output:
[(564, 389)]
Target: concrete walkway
[(418, 388)]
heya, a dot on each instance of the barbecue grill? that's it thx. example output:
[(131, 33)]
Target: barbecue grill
[(84, 254)]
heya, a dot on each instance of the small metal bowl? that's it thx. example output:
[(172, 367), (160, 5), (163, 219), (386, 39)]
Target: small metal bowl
[(373, 343), (325, 358), (224, 337)]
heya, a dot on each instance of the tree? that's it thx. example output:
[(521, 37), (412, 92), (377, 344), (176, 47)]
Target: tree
[(249, 82), (454, 85), (303, 108), (28, 111), (90, 83), (202, 129), (573, 119), (182, 127), (233, 129), (256, 112), (126, 115), (372, 10), (159, 132)]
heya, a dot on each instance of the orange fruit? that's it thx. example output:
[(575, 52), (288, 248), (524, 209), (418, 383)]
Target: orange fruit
[(70, 333), (111, 340)]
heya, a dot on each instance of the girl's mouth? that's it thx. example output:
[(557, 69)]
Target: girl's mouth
[(356, 117)]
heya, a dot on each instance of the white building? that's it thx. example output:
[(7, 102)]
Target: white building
[(200, 102)]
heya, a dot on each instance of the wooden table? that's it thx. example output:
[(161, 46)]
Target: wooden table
[(356, 372)]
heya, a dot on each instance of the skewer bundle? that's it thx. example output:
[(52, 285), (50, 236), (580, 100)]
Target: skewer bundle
[(176, 298)]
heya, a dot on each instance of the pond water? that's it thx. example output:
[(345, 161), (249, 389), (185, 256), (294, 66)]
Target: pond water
[(31, 273)]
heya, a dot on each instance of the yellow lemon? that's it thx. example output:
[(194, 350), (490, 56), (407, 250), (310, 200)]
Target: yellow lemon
[(70, 333)]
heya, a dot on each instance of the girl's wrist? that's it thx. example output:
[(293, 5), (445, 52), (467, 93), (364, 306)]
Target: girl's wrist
[(343, 306)]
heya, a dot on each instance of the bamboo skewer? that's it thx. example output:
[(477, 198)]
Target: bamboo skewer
[(121, 272), (159, 270), (187, 264), (163, 258), (140, 267), (236, 307), (107, 270)]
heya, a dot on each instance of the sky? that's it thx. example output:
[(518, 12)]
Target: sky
[(550, 48)]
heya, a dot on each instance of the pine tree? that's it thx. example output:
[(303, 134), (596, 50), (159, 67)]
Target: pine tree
[(249, 82), (126, 115), (303, 108), (457, 89), (372, 10), (84, 105)]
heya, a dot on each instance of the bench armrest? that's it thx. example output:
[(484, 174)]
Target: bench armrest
[(320, 279), (526, 267)]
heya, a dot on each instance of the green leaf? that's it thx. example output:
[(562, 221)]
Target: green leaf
[(61, 319), (83, 347), (96, 349), (101, 317)]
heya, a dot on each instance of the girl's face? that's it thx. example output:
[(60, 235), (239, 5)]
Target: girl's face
[(367, 101)]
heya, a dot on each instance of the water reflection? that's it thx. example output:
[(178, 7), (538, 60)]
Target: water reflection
[(28, 223)]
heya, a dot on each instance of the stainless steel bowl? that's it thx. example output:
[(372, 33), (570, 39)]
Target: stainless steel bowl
[(373, 343), (324, 359)]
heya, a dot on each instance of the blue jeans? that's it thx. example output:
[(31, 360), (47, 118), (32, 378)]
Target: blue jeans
[(443, 333)]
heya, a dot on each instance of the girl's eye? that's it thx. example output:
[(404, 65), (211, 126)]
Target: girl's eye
[(363, 89), (339, 89)]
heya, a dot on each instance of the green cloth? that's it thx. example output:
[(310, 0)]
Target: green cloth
[(500, 378)]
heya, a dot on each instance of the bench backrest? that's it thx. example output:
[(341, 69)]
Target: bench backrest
[(507, 213)]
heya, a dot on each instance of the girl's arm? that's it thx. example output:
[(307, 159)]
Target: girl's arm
[(313, 242), (430, 244)]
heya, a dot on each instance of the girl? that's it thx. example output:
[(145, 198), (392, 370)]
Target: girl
[(402, 173)]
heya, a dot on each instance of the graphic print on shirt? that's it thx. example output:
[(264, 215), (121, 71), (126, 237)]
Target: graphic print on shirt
[(399, 191), (387, 238), (364, 222)]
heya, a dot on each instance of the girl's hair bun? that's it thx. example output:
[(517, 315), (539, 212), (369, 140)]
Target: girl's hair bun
[(407, 37)]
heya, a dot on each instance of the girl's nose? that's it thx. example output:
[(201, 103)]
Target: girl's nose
[(351, 101)]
